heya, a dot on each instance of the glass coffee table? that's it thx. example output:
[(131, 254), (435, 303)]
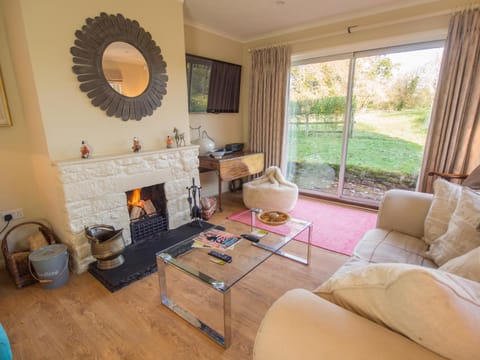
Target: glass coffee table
[(197, 288)]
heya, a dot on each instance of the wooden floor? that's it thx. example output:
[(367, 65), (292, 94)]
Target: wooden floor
[(83, 320)]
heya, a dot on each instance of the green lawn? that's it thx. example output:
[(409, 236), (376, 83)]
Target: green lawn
[(383, 145), (409, 125)]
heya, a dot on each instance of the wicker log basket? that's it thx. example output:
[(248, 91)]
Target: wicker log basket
[(17, 262)]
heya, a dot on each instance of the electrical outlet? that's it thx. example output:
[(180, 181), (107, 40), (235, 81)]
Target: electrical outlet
[(16, 213)]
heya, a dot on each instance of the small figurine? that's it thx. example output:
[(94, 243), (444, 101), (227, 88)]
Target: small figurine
[(179, 138), (136, 145), (84, 150), (169, 142)]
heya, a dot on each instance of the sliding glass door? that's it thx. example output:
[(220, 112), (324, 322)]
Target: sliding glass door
[(357, 124), (316, 123)]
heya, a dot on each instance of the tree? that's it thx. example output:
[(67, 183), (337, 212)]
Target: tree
[(372, 79), (403, 92)]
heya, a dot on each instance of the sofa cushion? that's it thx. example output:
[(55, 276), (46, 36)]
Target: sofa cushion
[(438, 310), (445, 198), (463, 232), (378, 245), (404, 211), (467, 265), (352, 264)]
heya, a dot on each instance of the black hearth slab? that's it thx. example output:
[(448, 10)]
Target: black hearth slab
[(140, 259)]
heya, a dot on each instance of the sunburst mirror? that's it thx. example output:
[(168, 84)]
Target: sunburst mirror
[(119, 66)]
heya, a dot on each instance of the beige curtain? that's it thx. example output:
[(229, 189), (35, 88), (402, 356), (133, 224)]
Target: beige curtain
[(268, 94), (453, 145)]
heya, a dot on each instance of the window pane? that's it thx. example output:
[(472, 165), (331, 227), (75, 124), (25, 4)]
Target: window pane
[(199, 82), (315, 126), (392, 99)]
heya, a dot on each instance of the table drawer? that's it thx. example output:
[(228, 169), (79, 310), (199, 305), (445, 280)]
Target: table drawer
[(208, 163), (239, 167)]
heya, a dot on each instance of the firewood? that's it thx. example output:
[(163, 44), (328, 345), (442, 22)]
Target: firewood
[(136, 212), (149, 207)]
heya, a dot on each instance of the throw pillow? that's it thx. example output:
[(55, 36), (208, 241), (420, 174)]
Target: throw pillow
[(473, 180), (463, 232), (444, 202), (467, 265), (438, 310)]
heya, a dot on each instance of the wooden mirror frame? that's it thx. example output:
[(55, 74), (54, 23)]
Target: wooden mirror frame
[(90, 44)]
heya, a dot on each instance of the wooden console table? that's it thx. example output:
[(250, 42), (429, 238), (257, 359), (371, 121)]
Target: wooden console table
[(232, 166)]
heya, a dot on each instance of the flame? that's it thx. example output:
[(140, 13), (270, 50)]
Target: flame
[(135, 199)]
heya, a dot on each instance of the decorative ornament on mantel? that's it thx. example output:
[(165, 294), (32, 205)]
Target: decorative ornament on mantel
[(169, 142), (101, 76), (137, 146), (84, 150), (179, 137)]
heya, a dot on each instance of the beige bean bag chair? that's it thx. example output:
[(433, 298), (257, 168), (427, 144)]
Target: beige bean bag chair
[(270, 192)]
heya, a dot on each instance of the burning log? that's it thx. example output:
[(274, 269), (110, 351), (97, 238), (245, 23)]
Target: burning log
[(149, 207), (136, 212), (139, 207)]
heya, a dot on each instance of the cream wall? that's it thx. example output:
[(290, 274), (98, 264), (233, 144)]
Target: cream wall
[(223, 128), (16, 179), (51, 115)]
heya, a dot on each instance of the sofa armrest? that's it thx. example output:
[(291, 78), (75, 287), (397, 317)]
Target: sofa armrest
[(404, 211), (302, 325)]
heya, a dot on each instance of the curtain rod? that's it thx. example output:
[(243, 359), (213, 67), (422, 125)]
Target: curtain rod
[(357, 28)]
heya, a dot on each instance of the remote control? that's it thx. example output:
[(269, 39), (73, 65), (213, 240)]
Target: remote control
[(251, 237), (224, 257)]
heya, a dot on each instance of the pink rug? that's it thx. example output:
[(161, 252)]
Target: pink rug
[(336, 228)]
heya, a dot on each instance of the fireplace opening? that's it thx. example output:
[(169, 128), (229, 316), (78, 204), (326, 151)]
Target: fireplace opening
[(147, 208)]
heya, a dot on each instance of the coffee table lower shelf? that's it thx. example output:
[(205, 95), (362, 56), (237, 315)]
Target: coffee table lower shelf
[(221, 338)]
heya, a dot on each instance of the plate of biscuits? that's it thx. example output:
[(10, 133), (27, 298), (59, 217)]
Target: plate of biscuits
[(273, 217)]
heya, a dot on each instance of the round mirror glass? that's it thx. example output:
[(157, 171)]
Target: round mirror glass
[(125, 69)]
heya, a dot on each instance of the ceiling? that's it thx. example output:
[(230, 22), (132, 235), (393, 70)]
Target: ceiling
[(247, 20)]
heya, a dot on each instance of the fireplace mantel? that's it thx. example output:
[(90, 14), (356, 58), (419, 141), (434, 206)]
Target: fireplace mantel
[(131, 154), (94, 192)]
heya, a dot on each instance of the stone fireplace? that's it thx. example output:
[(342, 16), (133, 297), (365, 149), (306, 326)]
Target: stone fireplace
[(95, 191)]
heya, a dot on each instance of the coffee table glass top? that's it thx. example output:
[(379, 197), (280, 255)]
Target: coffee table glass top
[(245, 254)]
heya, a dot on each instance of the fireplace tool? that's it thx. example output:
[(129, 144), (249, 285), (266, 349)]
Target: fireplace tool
[(195, 210), (107, 245)]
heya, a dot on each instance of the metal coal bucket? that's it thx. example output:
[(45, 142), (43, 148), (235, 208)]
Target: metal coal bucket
[(107, 245)]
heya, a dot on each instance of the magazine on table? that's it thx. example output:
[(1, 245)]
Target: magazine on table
[(215, 238)]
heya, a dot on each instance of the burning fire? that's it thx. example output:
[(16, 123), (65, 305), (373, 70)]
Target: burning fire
[(135, 200), (138, 207)]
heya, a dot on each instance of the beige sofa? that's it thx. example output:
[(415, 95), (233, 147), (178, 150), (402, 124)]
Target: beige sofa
[(303, 325)]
